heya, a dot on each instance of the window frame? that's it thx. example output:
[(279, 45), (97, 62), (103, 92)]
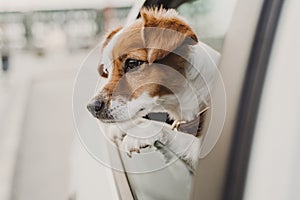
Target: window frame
[(236, 140)]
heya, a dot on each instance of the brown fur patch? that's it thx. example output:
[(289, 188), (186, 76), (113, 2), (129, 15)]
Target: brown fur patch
[(129, 41), (164, 30), (165, 71)]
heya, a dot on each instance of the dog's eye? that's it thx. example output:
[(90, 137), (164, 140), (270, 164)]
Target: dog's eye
[(132, 64)]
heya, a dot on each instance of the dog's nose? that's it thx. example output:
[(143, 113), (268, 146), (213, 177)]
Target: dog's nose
[(95, 107)]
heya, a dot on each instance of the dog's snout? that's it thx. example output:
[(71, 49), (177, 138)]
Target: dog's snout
[(95, 107), (98, 106)]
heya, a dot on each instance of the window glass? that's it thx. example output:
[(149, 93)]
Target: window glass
[(209, 18)]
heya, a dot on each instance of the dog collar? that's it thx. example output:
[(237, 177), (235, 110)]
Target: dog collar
[(193, 127)]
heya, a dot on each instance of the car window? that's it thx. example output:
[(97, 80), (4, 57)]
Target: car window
[(211, 20)]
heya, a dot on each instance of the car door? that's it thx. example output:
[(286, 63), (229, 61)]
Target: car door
[(229, 27)]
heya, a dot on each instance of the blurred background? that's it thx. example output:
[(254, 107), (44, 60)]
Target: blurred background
[(42, 44)]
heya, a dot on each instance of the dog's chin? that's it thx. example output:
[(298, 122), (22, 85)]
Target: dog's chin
[(140, 114), (107, 121)]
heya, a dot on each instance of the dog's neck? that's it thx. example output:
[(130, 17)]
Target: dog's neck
[(195, 96)]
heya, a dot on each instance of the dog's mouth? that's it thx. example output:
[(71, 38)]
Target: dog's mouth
[(159, 116), (156, 116), (111, 119)]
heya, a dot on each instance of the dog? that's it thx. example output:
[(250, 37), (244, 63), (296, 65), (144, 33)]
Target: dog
[(155, 64)]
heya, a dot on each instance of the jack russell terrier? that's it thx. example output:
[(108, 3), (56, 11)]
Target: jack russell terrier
[(155, 64)]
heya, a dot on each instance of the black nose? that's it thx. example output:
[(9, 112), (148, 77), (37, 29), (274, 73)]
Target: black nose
[(95, 107)]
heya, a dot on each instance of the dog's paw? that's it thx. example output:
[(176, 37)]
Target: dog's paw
[(131, 144), (142, 136)]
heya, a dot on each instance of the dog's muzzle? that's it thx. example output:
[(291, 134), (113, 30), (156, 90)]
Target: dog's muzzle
[(96, 107)]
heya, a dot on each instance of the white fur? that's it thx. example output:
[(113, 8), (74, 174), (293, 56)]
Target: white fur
[(186, 146), (145, 133), (123, 110)]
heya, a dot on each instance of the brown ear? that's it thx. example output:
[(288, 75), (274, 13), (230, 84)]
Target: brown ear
[(163, 31), (110, 35)]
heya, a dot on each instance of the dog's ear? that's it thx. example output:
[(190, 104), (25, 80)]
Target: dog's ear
[(163, 31)]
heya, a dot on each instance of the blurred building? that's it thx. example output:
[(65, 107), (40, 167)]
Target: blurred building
[(58, 29)]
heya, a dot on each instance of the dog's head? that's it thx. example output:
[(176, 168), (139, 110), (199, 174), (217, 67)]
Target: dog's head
[(142, 65)]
